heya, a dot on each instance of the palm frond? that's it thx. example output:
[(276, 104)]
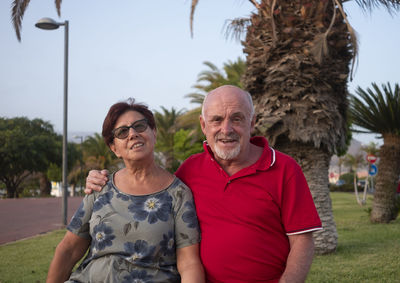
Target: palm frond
[(18, 8), (236, 29), (353, 39), (390, 5), (192, 8), (195, 97), (255, 3), (320, 44), (376, 111), (58, 6)]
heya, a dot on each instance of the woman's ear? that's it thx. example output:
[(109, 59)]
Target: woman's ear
[(113, 149)]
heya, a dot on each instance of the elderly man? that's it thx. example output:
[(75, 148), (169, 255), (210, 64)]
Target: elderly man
[(255, 209)]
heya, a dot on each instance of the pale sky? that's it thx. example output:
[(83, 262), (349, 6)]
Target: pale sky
[(143, 49)]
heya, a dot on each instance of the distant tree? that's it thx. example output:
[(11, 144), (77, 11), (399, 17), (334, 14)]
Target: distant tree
[(185, 146), (354, 162), (54, 172), (167, 123), (212, 78), (371, 148), (26, 146), (208, 80), (97, 155), (378, 111)]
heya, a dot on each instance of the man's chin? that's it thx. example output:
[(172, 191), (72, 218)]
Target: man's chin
[(227, 154)]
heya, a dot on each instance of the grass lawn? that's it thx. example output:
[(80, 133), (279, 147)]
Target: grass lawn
[(366, 252)]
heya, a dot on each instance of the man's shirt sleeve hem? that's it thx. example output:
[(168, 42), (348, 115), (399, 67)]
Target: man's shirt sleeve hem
[(304, 231)]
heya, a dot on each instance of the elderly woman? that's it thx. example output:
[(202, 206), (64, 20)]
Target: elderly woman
[(142, 227)]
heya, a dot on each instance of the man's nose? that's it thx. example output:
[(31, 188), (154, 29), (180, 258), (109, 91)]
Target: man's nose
[(226, 126)]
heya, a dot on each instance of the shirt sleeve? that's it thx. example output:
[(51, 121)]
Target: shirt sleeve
[(79, 224), (299, 214), (187, 231)]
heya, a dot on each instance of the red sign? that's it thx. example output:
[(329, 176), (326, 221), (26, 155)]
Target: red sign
[(371, 158)]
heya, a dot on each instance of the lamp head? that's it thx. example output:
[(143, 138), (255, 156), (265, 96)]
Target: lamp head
[(47, 23)]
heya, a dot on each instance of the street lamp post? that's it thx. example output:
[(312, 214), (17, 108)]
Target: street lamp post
[(50, 24), (80, 161)]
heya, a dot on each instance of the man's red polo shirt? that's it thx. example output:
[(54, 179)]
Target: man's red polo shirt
[(245, 218)]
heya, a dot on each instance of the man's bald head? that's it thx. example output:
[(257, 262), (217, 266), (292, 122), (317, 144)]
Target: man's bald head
[(230, 90)]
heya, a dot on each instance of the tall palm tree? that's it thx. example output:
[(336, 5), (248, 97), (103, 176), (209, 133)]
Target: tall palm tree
[(377, 111), (298, 55)]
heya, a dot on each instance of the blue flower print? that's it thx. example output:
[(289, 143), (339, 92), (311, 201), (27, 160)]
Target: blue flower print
[(76, 221), (168, 244), (103, 200), (138, 276), (103, 236), (122, 196), (189, 216), (139, 251), (154, 207)]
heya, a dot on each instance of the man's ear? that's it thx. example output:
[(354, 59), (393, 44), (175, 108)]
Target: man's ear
[(253, 123), (202, 124)]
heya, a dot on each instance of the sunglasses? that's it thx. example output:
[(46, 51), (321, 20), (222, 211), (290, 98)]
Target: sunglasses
[(122, 132)]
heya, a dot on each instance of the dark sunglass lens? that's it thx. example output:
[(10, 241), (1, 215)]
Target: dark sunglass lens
[(140, 126), (122, 132)]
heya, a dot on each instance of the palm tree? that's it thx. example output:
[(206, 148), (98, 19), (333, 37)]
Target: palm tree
[(208, 80), (298, 58), (377, 111), (97, 155), (167, 125), (370, 149), (298, 55), (354, 162)]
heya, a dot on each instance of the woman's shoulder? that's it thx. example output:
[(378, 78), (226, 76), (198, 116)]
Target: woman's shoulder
[(179, 188), (179, 184), (108, 187)]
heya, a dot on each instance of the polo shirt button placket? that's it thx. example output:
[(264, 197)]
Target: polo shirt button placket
[(227, 184)]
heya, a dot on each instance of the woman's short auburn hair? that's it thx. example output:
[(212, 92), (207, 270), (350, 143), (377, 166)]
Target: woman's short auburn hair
[(120, 108)]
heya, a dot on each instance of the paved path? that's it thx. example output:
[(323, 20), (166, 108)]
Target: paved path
[(27, 217)]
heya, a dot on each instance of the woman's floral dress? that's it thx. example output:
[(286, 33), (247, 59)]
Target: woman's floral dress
[(134, 238)]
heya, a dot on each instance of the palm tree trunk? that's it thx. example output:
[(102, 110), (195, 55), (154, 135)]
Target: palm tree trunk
[(44, 184), (384, 208), (355, 188), (299, 90), (315, 165)]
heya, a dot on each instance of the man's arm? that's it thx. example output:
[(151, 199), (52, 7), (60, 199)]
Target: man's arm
[(300, 258), (95, 181)]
